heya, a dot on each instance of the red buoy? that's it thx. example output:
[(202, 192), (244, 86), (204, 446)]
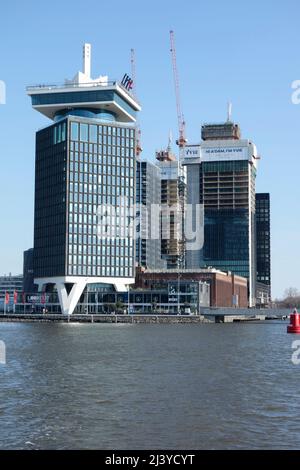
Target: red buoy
[(294, 326)]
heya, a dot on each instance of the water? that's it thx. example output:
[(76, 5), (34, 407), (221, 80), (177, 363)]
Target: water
[(148, 386)]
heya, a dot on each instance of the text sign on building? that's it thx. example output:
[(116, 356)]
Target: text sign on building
[(224, 153), (192, 152)]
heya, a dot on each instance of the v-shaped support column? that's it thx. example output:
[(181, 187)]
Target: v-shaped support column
[(69, 301)]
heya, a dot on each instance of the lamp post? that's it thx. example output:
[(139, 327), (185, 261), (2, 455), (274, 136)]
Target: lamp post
[(178, 291), (128, 300)]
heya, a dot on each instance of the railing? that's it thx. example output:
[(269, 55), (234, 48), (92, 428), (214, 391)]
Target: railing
[(56, 86), (50, 86)]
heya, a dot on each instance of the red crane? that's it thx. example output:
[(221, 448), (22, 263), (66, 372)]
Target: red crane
[(182, 141)]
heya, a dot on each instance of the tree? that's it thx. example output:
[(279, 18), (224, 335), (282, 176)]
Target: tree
[(291, 298), (120, 306), (291, 293)]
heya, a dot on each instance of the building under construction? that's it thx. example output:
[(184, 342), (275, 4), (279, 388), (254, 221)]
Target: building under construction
[(172, 210), (224, 131), (221, 174)]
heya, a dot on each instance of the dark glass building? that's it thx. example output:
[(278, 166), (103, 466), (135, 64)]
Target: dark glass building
[(263, 236), (84, 186), (28, 272)]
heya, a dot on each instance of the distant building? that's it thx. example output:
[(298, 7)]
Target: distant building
[(263, 244), (10, 284), (148, 198), (28, 274), (221, 174)]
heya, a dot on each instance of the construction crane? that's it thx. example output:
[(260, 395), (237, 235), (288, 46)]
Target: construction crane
[(181, 141), (138, 147)]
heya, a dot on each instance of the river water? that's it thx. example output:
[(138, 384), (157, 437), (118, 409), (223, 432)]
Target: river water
[(69, 386)]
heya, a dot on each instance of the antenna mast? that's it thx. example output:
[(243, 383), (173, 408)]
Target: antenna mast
[(229, 112)]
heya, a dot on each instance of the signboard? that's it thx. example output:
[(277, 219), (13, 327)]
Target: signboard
[(37, 299), (127, 82), (192, 152), (210, 154)]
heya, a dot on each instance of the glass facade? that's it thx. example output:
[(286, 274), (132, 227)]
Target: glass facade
[(81, 97), (101, 298), (81, 165), (50, 217), (263, 238), (101, 173), (227, 190), (226, 234)]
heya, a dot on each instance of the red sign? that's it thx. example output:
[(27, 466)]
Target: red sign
[(43, 298), (15, 297), (6, 298)]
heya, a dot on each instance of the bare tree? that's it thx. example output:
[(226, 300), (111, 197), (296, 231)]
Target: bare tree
[(291, 293), (291, 298)]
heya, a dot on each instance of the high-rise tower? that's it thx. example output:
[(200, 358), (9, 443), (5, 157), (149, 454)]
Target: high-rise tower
[(221, 174), (85, 160)]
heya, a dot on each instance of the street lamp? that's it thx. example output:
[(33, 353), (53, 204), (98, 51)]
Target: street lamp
[(128, 301), (178, 291)]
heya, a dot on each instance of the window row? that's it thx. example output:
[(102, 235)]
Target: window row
[(94, 188), (104, 271), (103, 250), (110, 195), (101, 148), (83, 239), (99, 260), (101, 169), (90, 178), (89, 132), (84, 157)]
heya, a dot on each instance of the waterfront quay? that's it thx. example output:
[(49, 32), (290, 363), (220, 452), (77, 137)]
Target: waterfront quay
[(112, 318), (208, 316)]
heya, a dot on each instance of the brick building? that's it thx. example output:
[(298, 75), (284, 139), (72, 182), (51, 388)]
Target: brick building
[(226, 289)]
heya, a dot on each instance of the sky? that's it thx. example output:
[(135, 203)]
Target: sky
[(244, 52)]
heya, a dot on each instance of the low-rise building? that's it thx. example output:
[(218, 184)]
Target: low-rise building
[(226, 289), (167, 298), (10, 284)]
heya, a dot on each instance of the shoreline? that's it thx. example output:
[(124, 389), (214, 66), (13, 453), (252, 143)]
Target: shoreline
[(206, 318)]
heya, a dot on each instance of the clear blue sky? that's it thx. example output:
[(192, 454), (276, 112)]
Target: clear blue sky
[(246, 52)]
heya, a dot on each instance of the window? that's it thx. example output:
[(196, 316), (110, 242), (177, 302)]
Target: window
[(74, 130), (93, 134), (84, 132)]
